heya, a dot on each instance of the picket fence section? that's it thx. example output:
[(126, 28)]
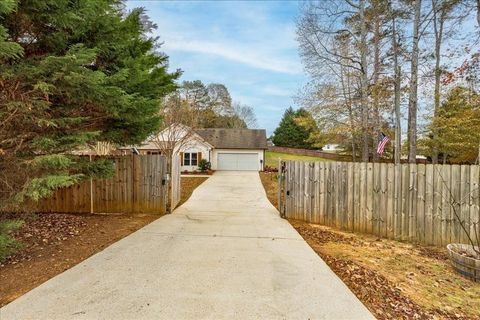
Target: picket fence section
[(139, 185), (427, 204)]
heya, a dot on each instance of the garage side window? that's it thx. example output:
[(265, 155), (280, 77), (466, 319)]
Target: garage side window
[(190, 159)]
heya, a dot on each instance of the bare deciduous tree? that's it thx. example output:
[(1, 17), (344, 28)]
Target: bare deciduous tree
[(246, 114), (413, 91), (333, 44), (178, 122)]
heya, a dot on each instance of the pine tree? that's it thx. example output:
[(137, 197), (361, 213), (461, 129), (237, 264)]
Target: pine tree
[(72, 73), (291, 132), (457, 127)]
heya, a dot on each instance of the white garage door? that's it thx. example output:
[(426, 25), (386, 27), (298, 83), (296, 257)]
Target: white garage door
[(238, 161)]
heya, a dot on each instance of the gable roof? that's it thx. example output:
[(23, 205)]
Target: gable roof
[(234, 138)]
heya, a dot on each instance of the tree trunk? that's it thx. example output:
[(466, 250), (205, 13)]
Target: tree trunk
[(438, 31), (348, 105), (413, 97), (376, 77), (398, 128), (364, 81), (397, 90)]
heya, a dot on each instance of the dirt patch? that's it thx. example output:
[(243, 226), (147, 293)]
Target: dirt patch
[(394, 279), (270, 184), (55, 242)]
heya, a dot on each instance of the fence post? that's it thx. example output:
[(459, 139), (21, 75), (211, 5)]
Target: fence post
[(91, 189), (135, 182), (281, 181)]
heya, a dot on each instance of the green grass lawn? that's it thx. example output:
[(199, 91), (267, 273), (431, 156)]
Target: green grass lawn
[(272, 158)]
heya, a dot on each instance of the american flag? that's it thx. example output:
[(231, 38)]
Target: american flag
[(381, 143)]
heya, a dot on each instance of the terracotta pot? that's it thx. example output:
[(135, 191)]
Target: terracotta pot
[(465, 264)]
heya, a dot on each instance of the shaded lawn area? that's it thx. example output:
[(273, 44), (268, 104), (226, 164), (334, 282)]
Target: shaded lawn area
[(395, 280), (271, 158), (51, 243)]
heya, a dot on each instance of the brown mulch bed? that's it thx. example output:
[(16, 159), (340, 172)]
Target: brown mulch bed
[(55, 242)]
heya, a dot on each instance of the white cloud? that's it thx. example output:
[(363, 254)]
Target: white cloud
[(276, 91), (248, 46), (245, 33), (247, 54)]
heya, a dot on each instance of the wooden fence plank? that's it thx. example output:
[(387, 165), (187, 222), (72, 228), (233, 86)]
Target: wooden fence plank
[(363, 198), (350, 196), (412, 198), (419, 213), (357, 196), (377, 198), (475, 202), (339, 196), (429, 205), (323, 202), (369, 199), (437, 206), (403, 231), (316, 192), (390, 210), (447, 195), (460, 226)]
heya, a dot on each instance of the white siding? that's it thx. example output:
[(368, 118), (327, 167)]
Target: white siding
[(197, 147)]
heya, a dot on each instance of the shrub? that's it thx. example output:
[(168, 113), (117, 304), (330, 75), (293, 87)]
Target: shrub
[(204, 165), (8, 244)]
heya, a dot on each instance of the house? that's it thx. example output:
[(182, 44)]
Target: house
[(225, 149), (331, 147)]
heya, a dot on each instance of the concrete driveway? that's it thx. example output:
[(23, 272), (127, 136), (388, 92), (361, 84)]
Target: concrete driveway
[(224, 254)]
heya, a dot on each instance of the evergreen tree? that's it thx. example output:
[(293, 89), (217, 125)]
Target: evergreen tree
[(294, 130), (72, 73), (457, 127)]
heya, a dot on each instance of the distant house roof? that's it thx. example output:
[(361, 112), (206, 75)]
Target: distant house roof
[(234, 138)]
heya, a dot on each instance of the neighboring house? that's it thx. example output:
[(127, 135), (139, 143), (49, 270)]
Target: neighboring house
[(225, 149), (331, 147)]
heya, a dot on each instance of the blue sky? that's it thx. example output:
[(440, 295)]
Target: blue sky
[(248, 46)]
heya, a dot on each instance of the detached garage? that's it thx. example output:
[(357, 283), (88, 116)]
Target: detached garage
[(236, 149)]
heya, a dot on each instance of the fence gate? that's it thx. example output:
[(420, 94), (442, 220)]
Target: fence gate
[(138, 185), (282, 192), (175, 192)]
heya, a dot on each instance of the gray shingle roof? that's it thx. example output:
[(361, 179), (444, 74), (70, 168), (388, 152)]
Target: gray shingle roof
[(235, 138)]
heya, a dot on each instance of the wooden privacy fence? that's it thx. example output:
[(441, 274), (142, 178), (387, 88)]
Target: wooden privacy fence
[(139, 185), (412, 202)]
